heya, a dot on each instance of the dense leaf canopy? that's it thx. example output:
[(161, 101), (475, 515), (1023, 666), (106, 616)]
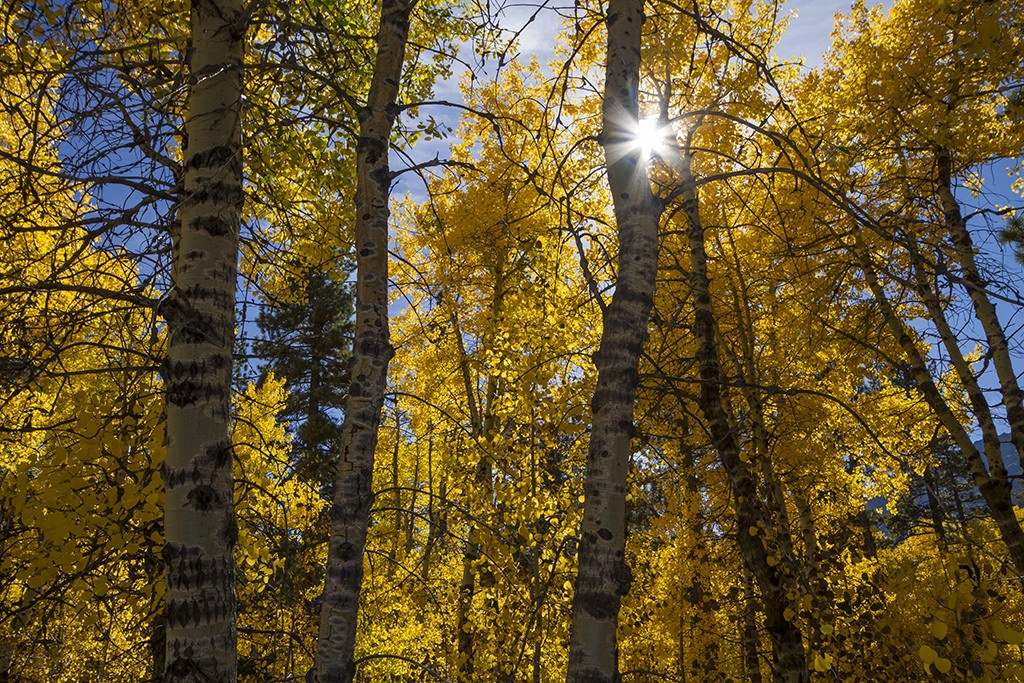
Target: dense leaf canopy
[(821, 479)]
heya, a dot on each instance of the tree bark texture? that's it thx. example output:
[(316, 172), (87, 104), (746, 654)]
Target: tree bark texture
[(603, 576), (199, 524), (371, 353), (750, 639)]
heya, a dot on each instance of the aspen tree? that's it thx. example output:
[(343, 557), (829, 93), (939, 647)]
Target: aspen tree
[(604, 576), (910, 133), (199, 522), (758, 521), (371, 353)]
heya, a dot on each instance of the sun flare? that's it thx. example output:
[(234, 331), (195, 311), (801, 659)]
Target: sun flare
[(650, 136)]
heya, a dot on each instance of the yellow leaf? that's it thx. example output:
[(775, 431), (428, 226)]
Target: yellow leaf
[(1006, 634), (939, 629)]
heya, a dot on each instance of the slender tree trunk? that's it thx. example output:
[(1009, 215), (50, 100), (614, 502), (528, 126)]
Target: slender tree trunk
[(808, 532), (603, 575), (757, 523), (395, 555), (814, 582), (482, 425), (199, 523), (467, 586), (746, 367), (371, 353), (984, 309), (434, 516), (991, 478), (410, 519), (751, 658)]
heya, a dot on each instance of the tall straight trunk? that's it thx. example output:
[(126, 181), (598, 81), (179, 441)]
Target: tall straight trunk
[(603, 576), (989, 477), (371, 353), (934, 509), (751, 658), (410, 519), (694, 585), (467, 586), (199, 524), (811, 570), (395, 554), (434, 516), (984, 309), (808, 532), (757, 523)]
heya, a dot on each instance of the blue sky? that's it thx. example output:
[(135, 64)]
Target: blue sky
[(809, 33), (808, 37)]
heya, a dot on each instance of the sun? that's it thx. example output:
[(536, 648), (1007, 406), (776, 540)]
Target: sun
[(650, 137)]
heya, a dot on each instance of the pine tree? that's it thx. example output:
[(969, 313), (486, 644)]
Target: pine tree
[(308, 343)]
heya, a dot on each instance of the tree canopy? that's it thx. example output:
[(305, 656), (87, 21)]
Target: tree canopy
[(352, 341)]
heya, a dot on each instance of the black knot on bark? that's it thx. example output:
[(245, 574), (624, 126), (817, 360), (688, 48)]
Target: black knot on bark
[(203, 498)]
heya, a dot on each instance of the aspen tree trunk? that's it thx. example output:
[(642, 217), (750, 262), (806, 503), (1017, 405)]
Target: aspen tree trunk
[(938, 517), (991, 479), (813, 578), (371, 353), (467, 586), (395, 554), (757, 523), (751, 658), (199, 524), (603, 576), (434, 518), (693, 519), (483, 423), (410, 519), (984, 309), (808, 532), (781, 532)]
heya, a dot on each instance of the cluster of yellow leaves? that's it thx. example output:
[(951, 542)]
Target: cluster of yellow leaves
[(493, 367), (499, 280)]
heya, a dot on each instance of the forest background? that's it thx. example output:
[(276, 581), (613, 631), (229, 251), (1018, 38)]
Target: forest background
[(344, 340)]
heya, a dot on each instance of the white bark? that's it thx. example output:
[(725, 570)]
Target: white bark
[(991, 478), (984, 309), (603, 575), (371, 353), (199, 523)]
